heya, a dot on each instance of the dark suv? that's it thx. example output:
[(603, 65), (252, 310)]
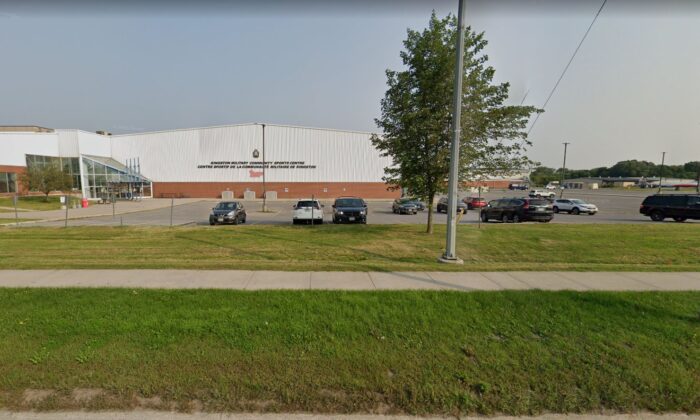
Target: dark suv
[(679, 207), (518, 210), (349, 210)]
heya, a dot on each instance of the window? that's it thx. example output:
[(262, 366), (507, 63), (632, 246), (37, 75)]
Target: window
[(676, 200), (4, 182), (694, 200)]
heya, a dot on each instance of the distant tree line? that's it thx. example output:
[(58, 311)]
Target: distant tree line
[(627, 168)]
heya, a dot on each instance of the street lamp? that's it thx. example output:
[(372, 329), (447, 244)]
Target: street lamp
[(450, 255), (661, 170), (563, 171), (264, 205)]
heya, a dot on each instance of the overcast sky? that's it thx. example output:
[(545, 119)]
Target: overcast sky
[(632, 91)]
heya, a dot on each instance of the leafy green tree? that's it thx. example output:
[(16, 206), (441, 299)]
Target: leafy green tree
[(416, 115), (543, 175), (46, 178), (634, 168)]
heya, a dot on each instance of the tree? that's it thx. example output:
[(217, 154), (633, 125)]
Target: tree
[(542, 175), (46, 178), (416, 115)]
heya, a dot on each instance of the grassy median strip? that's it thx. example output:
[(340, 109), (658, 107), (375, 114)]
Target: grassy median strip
[(640, 247), (416, 352), (32, 203)]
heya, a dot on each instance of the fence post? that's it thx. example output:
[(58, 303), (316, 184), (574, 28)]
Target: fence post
[(14, 200), (65, 223), (172, 204)]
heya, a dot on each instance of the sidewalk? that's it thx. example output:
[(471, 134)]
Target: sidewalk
[(305, 280), (94, 210)]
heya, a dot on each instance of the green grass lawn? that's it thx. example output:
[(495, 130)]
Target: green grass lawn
[(416, 352), (639, 247), (33, 203)]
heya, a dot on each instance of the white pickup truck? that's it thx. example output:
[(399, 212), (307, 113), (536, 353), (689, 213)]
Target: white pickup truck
[(542, 194)]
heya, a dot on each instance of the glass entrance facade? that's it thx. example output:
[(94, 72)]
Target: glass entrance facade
[(106, 178)]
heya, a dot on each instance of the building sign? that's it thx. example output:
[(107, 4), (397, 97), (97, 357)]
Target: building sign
[(258, 166)]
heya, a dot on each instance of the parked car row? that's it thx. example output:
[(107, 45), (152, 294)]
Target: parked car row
[(679, 207)]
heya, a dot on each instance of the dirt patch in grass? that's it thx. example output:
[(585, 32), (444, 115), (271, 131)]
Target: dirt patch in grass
[(32, 397), (85, 395)]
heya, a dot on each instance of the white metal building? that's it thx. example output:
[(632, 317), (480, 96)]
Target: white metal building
[(203, 162)]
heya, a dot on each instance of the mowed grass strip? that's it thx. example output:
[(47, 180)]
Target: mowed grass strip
[(414, 352), (638, 247), (33, 203)]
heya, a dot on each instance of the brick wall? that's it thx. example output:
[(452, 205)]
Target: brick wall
[(294, 189)]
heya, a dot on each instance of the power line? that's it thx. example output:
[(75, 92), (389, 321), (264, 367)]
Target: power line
[(567, 65)]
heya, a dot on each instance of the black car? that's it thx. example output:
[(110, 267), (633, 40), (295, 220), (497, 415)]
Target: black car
[(518, 210), (522, 187), (417, 202), (442, 206), (404, 206), (349, 210), (679, 207), (227, 212)]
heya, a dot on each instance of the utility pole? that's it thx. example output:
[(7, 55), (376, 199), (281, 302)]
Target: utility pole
[(563, 171), (264, 206), (450, 255), (661, 170)]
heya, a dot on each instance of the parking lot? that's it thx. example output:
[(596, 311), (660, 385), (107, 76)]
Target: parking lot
[(616, 206)]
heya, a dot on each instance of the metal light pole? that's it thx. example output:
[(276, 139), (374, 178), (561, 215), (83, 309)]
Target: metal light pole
[(450, 255), (563, 171), (661, 170), (264, 206)]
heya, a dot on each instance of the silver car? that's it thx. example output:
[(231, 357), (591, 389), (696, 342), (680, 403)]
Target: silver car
[(574, 206)]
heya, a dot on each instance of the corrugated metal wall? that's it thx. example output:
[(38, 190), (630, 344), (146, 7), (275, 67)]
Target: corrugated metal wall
[(93, 144), (225, 154)]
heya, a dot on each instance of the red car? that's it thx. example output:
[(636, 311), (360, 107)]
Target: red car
[(474, 202)]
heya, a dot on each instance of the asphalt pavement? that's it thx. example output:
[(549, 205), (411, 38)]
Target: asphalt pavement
[(616, 206)]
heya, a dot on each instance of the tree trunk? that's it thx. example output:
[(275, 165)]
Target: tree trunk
[(429, 230), (46, 196)]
